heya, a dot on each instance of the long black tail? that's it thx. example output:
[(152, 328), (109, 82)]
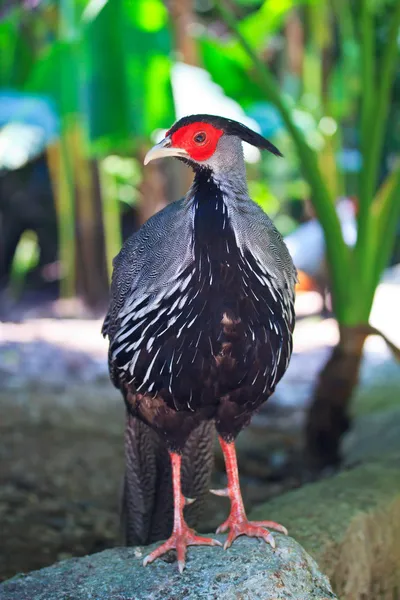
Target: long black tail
[(147, 498)]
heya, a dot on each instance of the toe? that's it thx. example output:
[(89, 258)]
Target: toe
[(216, 543), (158, 552), (196, 540), (271, 525)]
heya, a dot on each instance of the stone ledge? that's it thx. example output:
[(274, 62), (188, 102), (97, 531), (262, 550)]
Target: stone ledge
[(249, 570), (350, 524)]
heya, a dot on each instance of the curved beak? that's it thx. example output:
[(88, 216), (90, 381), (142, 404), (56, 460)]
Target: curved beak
[(164, 149)]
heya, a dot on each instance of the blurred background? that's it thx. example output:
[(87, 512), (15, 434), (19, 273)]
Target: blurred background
[(86, 87)]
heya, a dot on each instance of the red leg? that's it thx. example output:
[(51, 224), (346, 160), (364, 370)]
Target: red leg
[(237, 522), (182, 536)]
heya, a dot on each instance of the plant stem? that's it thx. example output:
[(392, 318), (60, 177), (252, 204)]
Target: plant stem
[(368, 75), (374, 117), (367, 110), (387, 223), (66, 215), (345, 20), (379, 117)]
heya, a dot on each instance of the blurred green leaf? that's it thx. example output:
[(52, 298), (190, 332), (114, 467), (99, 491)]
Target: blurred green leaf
[(56, 74), (26, 257), (16, 55), (103, 66), (126, 64), (260, 193), (229, 72), (8, 40), (148, 47), (378, 6), (228, 63), (258, 27), (113, 68), (148, 15)]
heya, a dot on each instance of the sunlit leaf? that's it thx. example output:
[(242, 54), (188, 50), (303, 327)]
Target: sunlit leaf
[(56, 74), (16, 56), (261, 24), (150, 15), (227, 62), (26, 257), (127, 89), (229, 72)]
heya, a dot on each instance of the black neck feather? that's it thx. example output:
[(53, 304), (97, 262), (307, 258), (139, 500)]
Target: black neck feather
[(213, 232)]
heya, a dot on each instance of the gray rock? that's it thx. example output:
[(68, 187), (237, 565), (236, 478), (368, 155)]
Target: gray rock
[(249, 570)]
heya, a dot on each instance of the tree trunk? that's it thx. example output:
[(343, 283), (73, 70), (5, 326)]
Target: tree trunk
[(328, 417), (182, 20)]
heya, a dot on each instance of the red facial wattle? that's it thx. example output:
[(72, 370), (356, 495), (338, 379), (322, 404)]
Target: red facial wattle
[(198, 139)]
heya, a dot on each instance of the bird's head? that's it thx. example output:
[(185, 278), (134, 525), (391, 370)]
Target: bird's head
[(207, 141)]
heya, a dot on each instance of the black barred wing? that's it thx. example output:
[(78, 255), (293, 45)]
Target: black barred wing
[(268, 311), (161, 342)]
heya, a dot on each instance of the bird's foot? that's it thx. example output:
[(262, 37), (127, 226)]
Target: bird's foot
[(239, 525), (179, 541)]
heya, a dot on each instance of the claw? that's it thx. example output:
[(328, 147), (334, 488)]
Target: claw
[(181, 566), (146, 560), (189, 501), (223, 492), (271, 540), (228, 544), (222, 528), (216, 543)]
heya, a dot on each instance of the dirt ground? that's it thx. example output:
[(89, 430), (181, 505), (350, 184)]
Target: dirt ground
[(61, 446)]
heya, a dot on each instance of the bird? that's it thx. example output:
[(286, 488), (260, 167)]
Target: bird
[(200, 327)]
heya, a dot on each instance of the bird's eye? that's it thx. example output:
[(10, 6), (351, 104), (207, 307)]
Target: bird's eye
[(200, 137)]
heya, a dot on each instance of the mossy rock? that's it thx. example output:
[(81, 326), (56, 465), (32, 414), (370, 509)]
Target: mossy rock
[(350, 524)]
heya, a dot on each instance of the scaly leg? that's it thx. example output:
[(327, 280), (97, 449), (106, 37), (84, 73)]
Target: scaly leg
[(237, 522), (182, 536)]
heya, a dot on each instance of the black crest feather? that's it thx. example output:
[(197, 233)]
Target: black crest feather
[(230, 127)]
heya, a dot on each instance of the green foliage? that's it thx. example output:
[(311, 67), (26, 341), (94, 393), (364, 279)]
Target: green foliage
[(126, 51), (356, 83), (229, 64), (125, 174), (106, 65), (16, 56), (55, 74)]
